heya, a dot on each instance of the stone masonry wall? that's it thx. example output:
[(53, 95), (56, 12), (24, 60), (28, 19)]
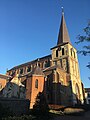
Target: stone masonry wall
[(16, 106)]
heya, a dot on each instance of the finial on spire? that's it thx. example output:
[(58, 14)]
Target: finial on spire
[(62, 10), (63, 36)]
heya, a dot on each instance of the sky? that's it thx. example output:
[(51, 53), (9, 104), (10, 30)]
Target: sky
[(29, 28)]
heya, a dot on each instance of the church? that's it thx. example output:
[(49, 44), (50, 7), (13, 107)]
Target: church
[(56, 75)]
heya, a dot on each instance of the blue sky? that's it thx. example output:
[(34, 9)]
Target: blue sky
[(29, 28)]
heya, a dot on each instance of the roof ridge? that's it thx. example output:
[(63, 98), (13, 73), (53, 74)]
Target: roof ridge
[(30, 62)]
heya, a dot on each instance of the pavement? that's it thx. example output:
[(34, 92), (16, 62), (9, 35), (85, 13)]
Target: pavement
[(86, 116)]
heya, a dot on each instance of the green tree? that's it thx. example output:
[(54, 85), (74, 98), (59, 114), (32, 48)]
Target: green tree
[(85, 39), (41, 105)]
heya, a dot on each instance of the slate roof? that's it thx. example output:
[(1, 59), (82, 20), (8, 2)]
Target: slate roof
[(36, 71), (63, 36), (31, 62)]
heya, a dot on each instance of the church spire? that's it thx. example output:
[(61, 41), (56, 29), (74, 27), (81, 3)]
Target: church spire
[(63, 36)]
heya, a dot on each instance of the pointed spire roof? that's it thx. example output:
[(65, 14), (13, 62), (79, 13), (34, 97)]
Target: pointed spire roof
[(63, 36)]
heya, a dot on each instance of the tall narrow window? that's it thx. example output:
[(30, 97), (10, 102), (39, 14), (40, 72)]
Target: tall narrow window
[(61, 62), (71, 51), (39, 64), (56, 53), (57, 77), (62, 51), (48, 63), (36, 83), (74, 55), (45, 64), (21, 71), (77, 91), (28, 69)]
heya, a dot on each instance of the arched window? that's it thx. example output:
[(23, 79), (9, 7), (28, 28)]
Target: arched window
[(36, 83), (39, 64), (71, 51), (56, 53), (77, 91), (74, 55), (47, 63), (62, 51), (61, 63), (57, 77), (28, 69), (21, 71)]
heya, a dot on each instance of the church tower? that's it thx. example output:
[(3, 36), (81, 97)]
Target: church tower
[(65, 56)]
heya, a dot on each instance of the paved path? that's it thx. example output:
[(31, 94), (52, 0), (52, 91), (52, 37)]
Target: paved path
[(84, 117)]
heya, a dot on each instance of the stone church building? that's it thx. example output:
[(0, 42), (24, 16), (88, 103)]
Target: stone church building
[(56, 75)]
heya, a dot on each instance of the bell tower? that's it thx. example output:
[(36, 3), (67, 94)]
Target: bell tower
[(65, 56), (60, 52)]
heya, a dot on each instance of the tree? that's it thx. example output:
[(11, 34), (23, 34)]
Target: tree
[(85, 39), (41, 106)]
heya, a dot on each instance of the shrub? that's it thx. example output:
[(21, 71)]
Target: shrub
[(24, 117), (4, 112), (73, 111)]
